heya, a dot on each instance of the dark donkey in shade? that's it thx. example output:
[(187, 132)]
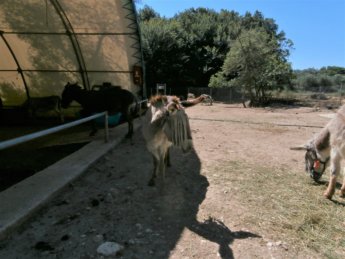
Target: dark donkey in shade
[(112, 99)]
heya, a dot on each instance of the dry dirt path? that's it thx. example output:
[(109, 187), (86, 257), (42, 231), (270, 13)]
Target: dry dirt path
[(196, 215)]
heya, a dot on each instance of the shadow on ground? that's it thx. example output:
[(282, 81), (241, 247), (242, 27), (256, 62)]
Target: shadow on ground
[(112, 202)]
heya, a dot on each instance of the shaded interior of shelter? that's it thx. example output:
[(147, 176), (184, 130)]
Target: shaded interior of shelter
[(24, 160), (59, 43), (19, 164)]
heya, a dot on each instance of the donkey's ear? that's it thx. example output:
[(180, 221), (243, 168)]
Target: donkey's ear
[(322, 140), (302, 147)]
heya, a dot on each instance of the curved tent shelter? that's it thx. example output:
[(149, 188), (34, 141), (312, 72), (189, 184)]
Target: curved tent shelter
[(46, 43)]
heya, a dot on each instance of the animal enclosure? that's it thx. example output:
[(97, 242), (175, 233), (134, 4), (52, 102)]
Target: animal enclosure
[(244, 176)]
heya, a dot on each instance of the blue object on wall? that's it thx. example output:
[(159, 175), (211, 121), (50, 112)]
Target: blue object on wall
[(113, 120)]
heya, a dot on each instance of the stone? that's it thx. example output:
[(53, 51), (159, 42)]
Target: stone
[(109, 248)]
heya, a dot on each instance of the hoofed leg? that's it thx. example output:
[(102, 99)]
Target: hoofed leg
[(130, 129), (159, 170), (154, 174), (167, 158), (162, 167), (127, 116), (93, 130), (342, 190), (61, 115), (335, 168)]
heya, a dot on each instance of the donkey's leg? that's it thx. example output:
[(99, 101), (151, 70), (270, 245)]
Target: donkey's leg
[(93, 129), (129, 118), (130, 128), (61, 115), (342, 189), (154, 174), (162, 167), (167, 158), (85, 113), (161, 172), (335, 168)]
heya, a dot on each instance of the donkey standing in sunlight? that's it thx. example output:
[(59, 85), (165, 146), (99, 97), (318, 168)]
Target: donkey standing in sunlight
[(166, 124), (327, 147)]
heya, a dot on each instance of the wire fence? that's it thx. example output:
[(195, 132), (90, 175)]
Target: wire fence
[(235, 95), (226, 94)]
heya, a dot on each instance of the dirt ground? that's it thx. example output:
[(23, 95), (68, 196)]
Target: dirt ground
[(195, 214)]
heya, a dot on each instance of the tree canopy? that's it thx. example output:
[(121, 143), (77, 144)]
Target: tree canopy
[(256, 64), (325, 79), (201, 44)]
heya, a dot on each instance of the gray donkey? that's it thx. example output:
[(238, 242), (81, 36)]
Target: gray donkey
[(328, 147)]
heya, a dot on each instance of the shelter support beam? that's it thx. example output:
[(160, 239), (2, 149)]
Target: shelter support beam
[(74, 40), (19, 69)]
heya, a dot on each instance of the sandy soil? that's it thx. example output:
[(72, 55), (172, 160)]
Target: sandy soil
[(192, 216)]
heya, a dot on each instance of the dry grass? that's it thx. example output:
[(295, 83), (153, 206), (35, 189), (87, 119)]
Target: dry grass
[(289, 205)]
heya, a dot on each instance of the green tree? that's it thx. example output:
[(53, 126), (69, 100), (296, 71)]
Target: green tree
[(339, 80), (147, 13), (204, 50), (189, 48), (163, 58), (327, 79), (256, 63), (332, 70)]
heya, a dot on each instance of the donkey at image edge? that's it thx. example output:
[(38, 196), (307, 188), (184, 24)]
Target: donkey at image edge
[(328, 147)]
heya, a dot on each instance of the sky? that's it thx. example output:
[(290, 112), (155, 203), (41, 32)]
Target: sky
[(316, 27)]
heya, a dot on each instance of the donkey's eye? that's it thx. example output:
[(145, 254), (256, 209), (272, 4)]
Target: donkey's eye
[(172, 107)]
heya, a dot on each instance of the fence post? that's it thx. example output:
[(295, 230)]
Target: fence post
[(106, 127)]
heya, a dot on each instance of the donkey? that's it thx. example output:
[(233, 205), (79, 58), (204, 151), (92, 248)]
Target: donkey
[(43, 104), (165, 125), (112, 99), (328, 147)]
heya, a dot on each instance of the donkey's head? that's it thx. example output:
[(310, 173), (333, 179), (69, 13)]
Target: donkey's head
[(68, 95), (162, 107), (317, 155), (313, 163)]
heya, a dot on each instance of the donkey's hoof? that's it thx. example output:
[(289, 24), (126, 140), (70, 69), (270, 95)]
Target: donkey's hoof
[(342, 194), (151, 183), (328, 195), (129, 134), (93, 133)]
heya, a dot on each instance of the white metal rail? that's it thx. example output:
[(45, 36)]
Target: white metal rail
[(22, 139)]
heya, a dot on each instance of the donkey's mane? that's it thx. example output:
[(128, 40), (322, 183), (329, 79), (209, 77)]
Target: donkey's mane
[(163, 99), (322, 140), (158, 99)]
